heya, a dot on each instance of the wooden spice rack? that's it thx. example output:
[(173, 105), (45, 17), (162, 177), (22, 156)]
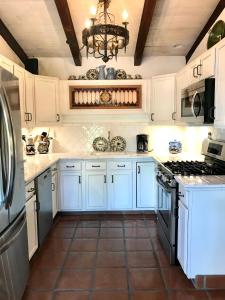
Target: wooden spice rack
[(105, 97)]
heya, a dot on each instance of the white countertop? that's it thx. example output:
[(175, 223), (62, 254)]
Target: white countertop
[(35, 165)]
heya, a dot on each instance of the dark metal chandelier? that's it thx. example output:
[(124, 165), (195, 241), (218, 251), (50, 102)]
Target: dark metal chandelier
[(103, 39)]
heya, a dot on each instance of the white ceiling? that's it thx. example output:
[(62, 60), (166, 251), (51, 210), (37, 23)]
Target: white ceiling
[(177, 22), (37, 27)]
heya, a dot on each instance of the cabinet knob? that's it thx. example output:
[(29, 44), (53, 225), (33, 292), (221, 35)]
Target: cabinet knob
[(139, 170)]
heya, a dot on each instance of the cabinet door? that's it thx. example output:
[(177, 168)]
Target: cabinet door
[(96, 190), (220, 85), (20, 74), (182, 244), (54, 194), (71, 197), (207, 67), (29, 97), (6, 64), (146, 191), (162, 105), (193, 71), (46, 100), (120, 191), (32, 231)]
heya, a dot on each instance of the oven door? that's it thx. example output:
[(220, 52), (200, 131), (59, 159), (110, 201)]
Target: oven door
[(167, 210)]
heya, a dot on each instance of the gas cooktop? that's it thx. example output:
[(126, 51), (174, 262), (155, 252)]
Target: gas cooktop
[(195, 168)]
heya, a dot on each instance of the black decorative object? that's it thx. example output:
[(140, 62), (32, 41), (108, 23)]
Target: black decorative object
[(216, 34), (103, 39)]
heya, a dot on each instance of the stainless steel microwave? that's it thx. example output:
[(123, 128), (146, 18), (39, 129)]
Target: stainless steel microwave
[(197, 102)]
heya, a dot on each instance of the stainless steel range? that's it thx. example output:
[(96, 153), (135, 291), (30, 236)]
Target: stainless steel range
[(167, 215)]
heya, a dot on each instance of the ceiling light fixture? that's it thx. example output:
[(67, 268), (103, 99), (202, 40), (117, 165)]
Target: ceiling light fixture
[(103, 39)]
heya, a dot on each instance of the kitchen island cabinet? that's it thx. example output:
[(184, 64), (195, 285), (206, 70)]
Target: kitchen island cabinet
[(201, 223)]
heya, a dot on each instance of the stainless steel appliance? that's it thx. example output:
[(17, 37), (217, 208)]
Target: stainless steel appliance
[(44, 204), (14, 266), (167, 214), (142, 143), (197, 102)]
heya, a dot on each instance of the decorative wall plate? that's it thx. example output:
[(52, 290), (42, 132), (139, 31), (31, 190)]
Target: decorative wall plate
[(105, 97), (120, 74), (216, 34), (92, 74), (118, 143), (100, 144)]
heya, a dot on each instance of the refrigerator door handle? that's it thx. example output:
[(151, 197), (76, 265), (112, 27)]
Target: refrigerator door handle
[(12, 236), (10, 154)]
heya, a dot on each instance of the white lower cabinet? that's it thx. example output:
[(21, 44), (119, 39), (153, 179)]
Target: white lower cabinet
[(146, 197), (71, 191), (96, 190), (107, 185), (32, 230), (120, 190), (182, 236)]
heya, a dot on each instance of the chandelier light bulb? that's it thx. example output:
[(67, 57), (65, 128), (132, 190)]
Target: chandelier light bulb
[(93, 11), (125, 15), (88, 23)]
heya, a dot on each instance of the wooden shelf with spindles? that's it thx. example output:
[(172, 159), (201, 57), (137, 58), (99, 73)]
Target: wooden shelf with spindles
[(105, 97)]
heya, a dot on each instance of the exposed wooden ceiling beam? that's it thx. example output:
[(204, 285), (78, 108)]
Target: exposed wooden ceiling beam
[(67, 23), (13, 44), (146, 20), (219, 8)]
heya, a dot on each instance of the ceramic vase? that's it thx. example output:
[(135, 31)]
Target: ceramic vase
[(101, 73)]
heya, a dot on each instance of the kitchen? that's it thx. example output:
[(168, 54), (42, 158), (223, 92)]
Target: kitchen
[(112, 155)]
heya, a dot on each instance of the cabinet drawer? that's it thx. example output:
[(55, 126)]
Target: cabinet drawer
[(29, 190), (70, 166), (120, 165), (96, 165)]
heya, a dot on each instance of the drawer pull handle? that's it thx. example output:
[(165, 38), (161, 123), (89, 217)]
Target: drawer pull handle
[(93, 166), (139, 170), (121, 166), (112, 179), (180, 194), (104, 178), (79, 179), (31, 190), (70, 166)]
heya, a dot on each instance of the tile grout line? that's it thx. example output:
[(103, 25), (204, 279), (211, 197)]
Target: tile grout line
[(64, 262)]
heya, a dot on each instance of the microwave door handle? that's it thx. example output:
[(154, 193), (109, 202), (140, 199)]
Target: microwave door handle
[(193, 103), (9, 152)]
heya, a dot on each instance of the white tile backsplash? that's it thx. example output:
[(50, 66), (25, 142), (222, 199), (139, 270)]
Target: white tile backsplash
[(79, 138)]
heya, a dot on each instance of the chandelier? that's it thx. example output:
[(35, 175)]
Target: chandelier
[(102, 37)]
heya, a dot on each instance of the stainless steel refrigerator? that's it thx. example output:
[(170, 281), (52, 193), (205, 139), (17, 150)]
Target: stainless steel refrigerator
[(14, 263)]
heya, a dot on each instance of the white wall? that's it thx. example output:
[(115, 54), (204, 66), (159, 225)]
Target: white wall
[(202, 47), (6, 51), (155, 65), (78, 138)]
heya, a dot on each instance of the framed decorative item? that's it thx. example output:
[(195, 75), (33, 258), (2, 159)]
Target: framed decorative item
[(105, 97)]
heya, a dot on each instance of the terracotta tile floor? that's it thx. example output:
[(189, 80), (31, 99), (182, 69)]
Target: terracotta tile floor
[(108, 257)]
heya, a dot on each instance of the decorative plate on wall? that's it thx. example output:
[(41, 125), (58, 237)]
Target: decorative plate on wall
[(118, 143), (100, 144), (105, 97), (120, 74), (216, 34), (92, 74)]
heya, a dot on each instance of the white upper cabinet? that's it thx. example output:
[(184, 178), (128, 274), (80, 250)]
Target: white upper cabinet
[(6, 63), (29, 99), (220, 85), (162, 106), (46, 100), (202, 67)]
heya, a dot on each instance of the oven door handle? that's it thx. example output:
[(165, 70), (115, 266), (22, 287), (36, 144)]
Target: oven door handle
[(167, 188)]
